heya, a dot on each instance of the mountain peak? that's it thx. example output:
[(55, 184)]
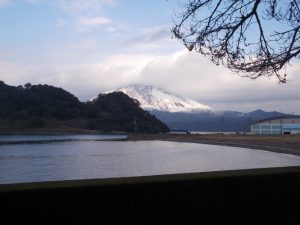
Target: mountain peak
[(152, 98)]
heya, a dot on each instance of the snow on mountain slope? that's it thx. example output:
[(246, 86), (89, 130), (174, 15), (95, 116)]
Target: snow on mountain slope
[(152, 98)]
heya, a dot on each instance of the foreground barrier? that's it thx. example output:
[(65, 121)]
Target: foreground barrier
[(256, 196)]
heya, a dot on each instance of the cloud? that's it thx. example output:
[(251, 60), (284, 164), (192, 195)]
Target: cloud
[(86, 15), (84, 6), (85, 44), (84, 80), (62, 22), (13, 73), (5, 2), (189, 75), (111, 29), (94, 21), (192, 75), (83, 12), (88, 80), (89, 24), (149, 56), (8, 53), (35, 1), (151, 38), (184, 73)]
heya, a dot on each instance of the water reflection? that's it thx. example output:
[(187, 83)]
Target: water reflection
[(23, 138), (94, 159)]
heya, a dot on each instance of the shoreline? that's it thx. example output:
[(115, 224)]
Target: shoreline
[(285, 144), (278, 144)]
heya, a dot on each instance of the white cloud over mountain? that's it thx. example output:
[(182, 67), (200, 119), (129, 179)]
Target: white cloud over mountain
[(187, 74)]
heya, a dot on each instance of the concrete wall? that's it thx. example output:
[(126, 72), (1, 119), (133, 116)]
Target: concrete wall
[(258, 196)]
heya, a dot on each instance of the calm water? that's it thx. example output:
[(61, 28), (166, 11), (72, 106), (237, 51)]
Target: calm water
[(21, 138), (96, 159)]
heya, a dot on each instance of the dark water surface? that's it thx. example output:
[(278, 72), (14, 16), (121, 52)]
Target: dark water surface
[(41, 137), (101, 159)]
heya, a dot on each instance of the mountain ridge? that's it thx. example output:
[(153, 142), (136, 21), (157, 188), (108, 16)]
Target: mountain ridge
[(202, 119), (153, 98)]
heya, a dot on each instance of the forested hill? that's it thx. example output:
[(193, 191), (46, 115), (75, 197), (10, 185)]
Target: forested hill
[(46, 107)]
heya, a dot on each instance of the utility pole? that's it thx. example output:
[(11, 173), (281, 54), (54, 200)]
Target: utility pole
[(250, 123), (135, 125), (222, 124)]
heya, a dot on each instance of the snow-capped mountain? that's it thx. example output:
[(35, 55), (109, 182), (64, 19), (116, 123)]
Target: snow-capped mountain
[(152, 98), (184, 113)]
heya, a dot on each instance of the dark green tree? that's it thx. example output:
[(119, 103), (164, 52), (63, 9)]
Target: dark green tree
[(44, 106)]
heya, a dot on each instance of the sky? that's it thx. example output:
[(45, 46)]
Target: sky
[(92, 46)]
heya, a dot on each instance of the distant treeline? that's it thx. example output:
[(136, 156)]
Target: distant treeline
[(47, 107)]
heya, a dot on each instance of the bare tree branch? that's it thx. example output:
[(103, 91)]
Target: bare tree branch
[(256, 37)]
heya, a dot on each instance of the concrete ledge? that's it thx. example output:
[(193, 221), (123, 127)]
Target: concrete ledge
[(256, 196)]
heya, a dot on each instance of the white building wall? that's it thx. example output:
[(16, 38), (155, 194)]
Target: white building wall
[(277, 126)]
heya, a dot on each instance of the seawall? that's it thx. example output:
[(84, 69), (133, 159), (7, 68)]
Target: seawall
[(256, 196)]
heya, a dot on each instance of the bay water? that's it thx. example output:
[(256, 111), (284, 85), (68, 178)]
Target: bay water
[(89, 158)]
